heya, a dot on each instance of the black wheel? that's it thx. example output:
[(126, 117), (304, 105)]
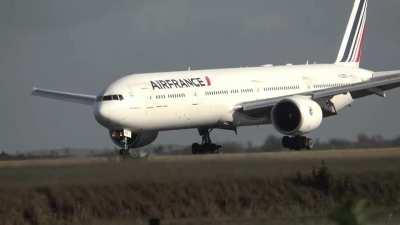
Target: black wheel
[(218, 150), (195, 148), (297, 147), (300, 142), (310, 144), (286, 142), (124, 152), (212, 148)]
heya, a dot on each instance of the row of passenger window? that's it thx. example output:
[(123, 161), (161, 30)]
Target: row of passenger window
[(251, 90), (226, 92), (109, 98), (217, 92), (176, 96), (248, 90), (181, 95), (282, 88), (330, 85)]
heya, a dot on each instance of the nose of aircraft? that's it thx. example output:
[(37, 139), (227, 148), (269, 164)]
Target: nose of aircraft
[(103, 114)]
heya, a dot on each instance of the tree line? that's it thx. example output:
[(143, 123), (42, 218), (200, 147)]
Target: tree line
[(272, 143)]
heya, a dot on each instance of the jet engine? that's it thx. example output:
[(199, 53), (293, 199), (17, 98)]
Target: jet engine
[(296, 115), (136, 141)]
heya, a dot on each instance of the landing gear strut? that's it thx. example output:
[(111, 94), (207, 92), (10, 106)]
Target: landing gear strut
[(125, 150), (125, 139), (127, 153), (297, 143), (122, 138), (206, 146)]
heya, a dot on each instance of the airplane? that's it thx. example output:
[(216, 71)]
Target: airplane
[(294, 99)]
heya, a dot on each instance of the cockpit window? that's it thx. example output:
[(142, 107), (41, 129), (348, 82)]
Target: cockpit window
[(110, 98), (107, 98)]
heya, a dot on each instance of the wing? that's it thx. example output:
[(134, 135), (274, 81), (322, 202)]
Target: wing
[(381, 82), (65, 96)]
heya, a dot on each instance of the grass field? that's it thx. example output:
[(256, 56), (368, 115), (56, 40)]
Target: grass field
[(266, 188)]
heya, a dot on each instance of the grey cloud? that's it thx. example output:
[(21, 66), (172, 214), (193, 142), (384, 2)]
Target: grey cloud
[(59, 14)]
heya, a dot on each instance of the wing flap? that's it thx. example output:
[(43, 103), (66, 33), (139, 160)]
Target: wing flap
[(386, 82), (65, 96)]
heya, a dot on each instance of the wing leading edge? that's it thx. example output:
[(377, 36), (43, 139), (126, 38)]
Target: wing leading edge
[(381, 82), (65, 96)]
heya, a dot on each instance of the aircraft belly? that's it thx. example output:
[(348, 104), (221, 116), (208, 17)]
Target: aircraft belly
[(177, 117)]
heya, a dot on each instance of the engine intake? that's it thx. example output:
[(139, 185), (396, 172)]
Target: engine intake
[(296, 115)]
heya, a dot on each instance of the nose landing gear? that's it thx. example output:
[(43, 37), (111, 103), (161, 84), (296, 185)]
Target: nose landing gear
[(125, 139), (122, 138), (125, 151), (297, 143), (206, 146)]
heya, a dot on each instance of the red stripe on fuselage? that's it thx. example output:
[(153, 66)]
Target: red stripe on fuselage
[(208, 81)]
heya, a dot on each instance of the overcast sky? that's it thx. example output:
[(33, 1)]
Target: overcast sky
[(82, 45)]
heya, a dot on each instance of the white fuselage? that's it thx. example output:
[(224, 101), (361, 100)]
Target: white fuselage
[(207, 98)]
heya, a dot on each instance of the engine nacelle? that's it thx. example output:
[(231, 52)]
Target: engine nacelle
[(296, 115), (136, 141)]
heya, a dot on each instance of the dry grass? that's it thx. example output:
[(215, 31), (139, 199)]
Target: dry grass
[(270, 185)]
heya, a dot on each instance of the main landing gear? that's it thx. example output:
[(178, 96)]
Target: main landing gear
[(297, 143), (206, 146)]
